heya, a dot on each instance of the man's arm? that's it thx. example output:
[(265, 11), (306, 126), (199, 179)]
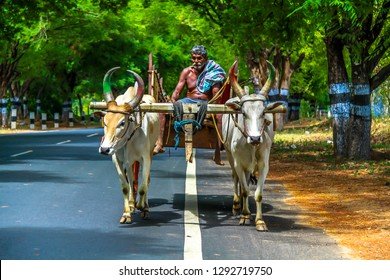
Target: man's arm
[(180, 85), (215, 88)]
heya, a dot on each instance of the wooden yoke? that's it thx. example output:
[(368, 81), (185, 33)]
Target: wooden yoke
[(189, 111)]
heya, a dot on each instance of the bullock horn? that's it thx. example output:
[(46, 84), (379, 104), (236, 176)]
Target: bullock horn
[(233, 80), (140, 90), (270, 81), (108, 96)]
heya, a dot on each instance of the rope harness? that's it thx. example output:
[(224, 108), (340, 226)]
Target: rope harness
[(236, 124), (179, 123)]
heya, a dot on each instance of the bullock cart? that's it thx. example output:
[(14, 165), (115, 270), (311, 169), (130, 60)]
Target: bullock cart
[(208, 137), (246, 129)]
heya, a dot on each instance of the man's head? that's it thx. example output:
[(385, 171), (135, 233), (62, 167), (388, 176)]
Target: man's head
[(198, 57)]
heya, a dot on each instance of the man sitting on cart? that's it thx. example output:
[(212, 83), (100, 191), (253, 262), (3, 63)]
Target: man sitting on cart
[(203, 79)]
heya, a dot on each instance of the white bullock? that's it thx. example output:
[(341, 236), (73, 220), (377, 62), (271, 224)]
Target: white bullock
[(129, 137), (248, 136)]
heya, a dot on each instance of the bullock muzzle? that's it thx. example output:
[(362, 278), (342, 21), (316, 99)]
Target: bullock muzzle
[(254, 140), (104, 151)]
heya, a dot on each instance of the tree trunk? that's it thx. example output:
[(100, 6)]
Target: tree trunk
[(18, 92), (288, 68), (283, 71), (360, 123), (80, 105), (275, 93), (339, 95)]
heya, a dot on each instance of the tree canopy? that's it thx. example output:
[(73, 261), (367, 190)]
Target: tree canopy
[(54, 50)]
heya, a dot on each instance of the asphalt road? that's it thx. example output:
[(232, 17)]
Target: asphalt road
[(60, 199)]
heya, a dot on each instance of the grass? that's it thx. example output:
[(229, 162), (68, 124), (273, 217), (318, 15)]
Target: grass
[(311, 140)]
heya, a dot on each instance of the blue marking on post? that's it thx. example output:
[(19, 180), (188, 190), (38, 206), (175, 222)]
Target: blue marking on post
[(284, 92), (273, 91), (3, 106), (363, 111), (340, 88), (272, 96), (283, 96), (377, 106), (340, 110), (361, 89)]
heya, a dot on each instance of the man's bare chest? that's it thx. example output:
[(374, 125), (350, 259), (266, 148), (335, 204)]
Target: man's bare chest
[(191, 80)]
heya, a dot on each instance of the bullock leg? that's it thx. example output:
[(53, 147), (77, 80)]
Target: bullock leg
[(142, 204), (218, 146), (263, 171), (236, 196), (135, 181), (128, 206), (126, 216), (246, 213)]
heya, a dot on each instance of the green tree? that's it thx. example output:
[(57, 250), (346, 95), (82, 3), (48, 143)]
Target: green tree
[(260, 31), (356, 34), (23, 23)]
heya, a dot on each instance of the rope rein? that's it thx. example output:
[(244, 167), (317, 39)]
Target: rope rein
[(219, 94), (178, 126)]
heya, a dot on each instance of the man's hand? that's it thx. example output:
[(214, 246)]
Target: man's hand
[(170, 99)]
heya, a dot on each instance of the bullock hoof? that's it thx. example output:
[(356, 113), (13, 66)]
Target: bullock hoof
[(125, 219), (236, 210), (158, 150), (245, 220), (145, 214), (218, 161), (261, 226)]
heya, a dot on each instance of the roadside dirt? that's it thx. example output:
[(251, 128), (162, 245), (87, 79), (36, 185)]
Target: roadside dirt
[(350, 201)]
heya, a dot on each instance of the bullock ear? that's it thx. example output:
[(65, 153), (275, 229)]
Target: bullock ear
[(276, 107), (234, 103), (99, 114)]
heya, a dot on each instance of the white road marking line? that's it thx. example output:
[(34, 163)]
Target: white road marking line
[(63, 142), (91, 135), (192, 234), (26, 152)]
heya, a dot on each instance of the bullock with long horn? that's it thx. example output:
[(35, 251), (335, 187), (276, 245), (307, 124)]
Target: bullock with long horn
[(129, 137), (248, 138)]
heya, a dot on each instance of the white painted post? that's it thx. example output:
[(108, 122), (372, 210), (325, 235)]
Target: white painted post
[(44, 119), (13, 118), (32, 120), (70, 118), (83, 118), (3, 108), (38, 108), (56, 120)]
